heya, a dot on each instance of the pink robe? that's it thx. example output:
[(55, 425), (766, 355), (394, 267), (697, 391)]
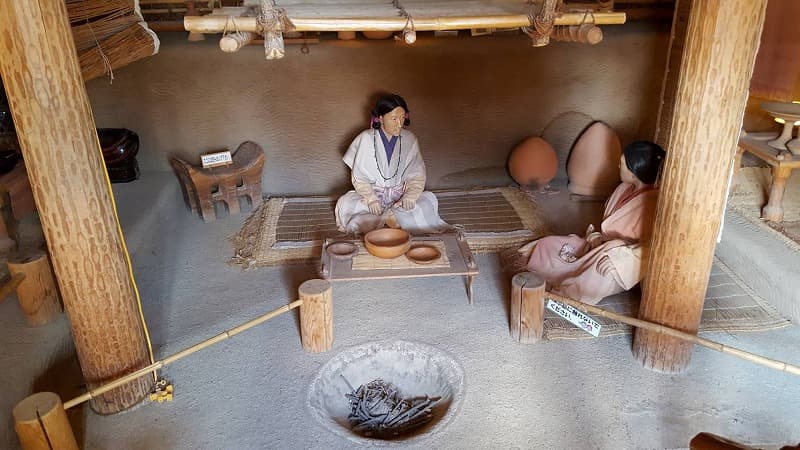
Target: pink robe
[(569, 265)]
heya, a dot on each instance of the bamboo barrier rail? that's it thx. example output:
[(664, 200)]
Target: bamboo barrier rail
[(216, 24), (658, 328), (181, 354)]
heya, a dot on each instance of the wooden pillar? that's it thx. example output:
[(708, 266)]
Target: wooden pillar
[(721, 41), (527, 307), (37, 293), (669, 86), (316, 315), (41, 423), (65, 166)]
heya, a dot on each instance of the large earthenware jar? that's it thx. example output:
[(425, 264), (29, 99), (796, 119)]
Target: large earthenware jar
[(593, 166), (533, 162)]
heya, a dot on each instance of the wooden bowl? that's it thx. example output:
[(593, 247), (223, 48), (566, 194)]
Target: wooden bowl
[(341, 250), (387, 242), (423, 254)]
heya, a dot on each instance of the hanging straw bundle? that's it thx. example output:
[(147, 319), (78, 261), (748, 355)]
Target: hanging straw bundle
[(129, 45), (83, 10), (109, 34), (88, 34)]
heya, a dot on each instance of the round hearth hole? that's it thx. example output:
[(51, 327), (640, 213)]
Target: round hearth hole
[(415, 370)]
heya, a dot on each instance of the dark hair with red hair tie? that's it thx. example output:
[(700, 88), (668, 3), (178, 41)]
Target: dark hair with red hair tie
[(385, 105)]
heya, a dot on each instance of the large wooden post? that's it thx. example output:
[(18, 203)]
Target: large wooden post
[(62, 154), (721, 42), (42, 424), (527, 308), (316, 315)]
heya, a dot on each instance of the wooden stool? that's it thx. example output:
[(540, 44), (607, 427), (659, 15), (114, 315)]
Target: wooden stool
[(204, 187), (38, 293), (15, 191)]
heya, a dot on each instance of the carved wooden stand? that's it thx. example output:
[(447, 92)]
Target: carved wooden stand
[(202, 188)]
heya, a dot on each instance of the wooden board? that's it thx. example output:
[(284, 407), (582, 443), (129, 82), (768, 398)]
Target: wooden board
[(771, 156), (461, 259)]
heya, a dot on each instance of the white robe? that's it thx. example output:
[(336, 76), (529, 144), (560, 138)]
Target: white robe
[(366, 157)]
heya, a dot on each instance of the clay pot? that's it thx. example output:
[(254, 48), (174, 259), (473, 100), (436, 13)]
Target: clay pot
[(342, 250), (387, 242), (533, 162), (593, 166), (377, 34)]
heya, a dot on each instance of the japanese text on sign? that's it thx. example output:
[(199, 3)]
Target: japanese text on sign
[(216, 159), (575, 317)]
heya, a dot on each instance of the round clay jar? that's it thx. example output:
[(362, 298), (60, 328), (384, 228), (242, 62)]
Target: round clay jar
[(533, 162), (593, 166)]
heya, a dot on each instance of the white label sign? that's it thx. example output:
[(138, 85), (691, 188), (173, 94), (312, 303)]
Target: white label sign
[(216, 159), (576, 317)]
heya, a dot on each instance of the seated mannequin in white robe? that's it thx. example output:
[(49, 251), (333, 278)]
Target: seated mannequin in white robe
[(389, 185)]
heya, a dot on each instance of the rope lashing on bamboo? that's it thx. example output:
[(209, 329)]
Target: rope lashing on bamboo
[(233, 41), (409, 31), (92, 393), (272, 21), (542, 23), (658, 328)]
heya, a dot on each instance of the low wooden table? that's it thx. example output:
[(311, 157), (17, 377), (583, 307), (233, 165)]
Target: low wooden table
[(782, 163), (461, 262)]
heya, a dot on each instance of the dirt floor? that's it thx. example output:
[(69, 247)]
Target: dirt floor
[(250, 391)]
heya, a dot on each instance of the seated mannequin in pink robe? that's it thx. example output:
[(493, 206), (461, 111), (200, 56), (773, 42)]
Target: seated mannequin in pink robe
[(609, 261)]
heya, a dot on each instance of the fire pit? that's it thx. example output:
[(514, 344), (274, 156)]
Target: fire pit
[(417, 371)]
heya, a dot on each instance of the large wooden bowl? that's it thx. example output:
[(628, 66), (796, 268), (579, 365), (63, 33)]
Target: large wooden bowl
[(423, 254), (387, 242)]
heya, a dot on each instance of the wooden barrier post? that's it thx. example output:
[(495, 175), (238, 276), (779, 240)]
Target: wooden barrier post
[(37, 293), (722, 37), (41, 423), (527, 307), (316, 315)]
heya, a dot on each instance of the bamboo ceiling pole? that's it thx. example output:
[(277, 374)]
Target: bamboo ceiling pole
[(185, 352), (62, 154), (722, 37), (215, 24), (689, 338)]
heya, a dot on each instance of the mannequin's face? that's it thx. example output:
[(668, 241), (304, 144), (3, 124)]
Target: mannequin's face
[(392, 122), (625, 174)]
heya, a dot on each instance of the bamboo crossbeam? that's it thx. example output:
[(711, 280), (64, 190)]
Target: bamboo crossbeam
[(658, 328), (183, 353), (216, 24)]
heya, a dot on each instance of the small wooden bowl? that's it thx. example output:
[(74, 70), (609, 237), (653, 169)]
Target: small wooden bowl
[(341, 250), (423, 254), (387, 243)]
